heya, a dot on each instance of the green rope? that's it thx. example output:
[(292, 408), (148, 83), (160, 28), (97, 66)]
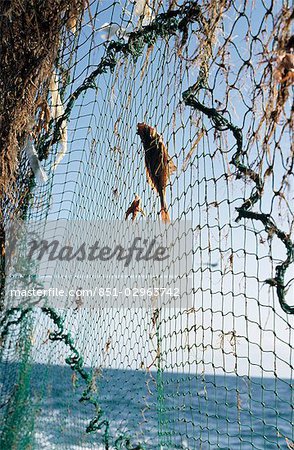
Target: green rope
[(18, 425), (5, 326), (159, 383), (222, 124), (76, 363)]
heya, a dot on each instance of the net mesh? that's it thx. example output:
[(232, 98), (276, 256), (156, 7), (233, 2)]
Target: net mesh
[(216, 80)]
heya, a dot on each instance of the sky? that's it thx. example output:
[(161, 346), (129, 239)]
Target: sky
[(235, 324)]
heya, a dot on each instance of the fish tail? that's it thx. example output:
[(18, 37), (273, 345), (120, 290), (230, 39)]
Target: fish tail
[(164, 213)]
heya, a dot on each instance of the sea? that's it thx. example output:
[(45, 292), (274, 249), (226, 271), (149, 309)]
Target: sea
[(141, 409)]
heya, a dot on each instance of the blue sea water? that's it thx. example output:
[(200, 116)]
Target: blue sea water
[(160, 411)]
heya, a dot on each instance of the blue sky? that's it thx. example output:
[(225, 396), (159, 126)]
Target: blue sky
[(104, 168)]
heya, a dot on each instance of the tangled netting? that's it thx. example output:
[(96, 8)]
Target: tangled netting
[(216, 81)]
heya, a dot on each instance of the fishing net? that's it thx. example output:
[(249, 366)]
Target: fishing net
[(216, 81)]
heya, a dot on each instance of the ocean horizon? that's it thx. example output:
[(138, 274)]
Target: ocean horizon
[(159, 410)]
